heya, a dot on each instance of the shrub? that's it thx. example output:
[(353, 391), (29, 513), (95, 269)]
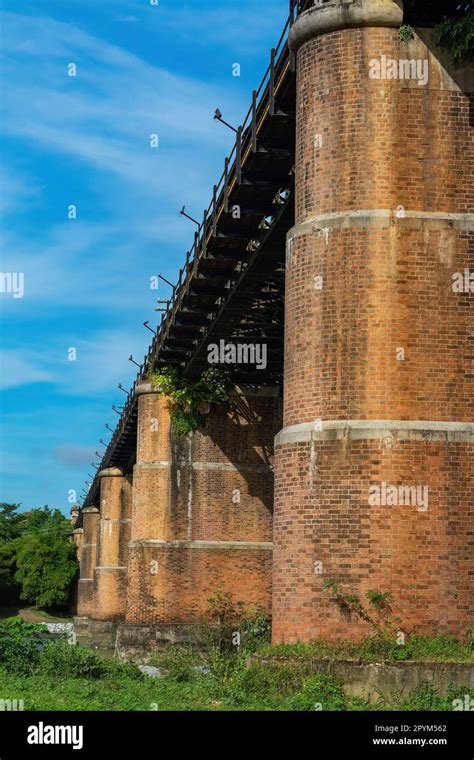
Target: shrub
[(256, 630), (127, 670), (177, 660), (190, 401), (20, 645), (406, 32), (320, 692), (60, 659)]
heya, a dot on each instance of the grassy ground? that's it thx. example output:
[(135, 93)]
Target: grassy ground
[(374, 649), (271, 690), (72, 678)]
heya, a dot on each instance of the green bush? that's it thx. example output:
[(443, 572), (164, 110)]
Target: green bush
[(407, 32), (189, 400), (60, 659), (223, 665), (125, 670), (178, 661), (19, 645), (319, 692), (380, 648), (256, 631)]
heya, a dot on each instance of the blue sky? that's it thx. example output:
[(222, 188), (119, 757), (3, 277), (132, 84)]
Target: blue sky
[(85, 141)]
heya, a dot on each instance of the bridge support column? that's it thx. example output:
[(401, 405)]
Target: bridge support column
[(150, 505), (201, 517), (113, 533), (87, 562), (374, 487)]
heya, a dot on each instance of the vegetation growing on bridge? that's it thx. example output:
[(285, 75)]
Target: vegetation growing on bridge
[(456, 35), (190, 401)]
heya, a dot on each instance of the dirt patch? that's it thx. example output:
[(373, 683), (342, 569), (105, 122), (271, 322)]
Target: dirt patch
[(33, 614)]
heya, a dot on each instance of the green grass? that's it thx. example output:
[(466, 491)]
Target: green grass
[(258, 688), (61, 677), (437, 648), (48, 693)]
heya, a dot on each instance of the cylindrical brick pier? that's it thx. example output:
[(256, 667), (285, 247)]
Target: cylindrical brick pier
[(87, 562), (374, 465), (113, 532)]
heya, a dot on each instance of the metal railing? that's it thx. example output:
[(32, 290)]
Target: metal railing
[(263, 102)]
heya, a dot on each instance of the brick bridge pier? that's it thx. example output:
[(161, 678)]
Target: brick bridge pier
[(346, 464)]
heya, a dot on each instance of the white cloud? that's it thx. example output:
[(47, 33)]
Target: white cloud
[(114, 103), (74, 456), (101, 122), (101, 363), (22, 368), (17, 190)]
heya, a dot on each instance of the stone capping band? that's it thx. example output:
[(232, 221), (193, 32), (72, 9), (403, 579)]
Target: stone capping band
[(122, 569), (90, 511), (111, 472), (206, 466), (219, 545), (324, 430), (366, 217), (109, 521), (152, 465), (228, 467), (344, 14), (143, 388)]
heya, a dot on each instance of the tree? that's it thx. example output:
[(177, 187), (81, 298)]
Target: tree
[(37, 555), (10, 528)]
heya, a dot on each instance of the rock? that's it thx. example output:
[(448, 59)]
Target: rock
[(149, 670)]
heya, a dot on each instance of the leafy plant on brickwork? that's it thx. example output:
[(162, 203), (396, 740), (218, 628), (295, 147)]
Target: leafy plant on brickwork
[(350, 605), (407, 32), (456, 36), (190, 401), (381, 601), (236, 628)]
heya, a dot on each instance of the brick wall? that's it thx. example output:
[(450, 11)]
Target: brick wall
[(381, 336), (202, 511)]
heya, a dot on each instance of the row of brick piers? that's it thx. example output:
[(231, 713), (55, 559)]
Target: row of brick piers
[(271, 498)]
